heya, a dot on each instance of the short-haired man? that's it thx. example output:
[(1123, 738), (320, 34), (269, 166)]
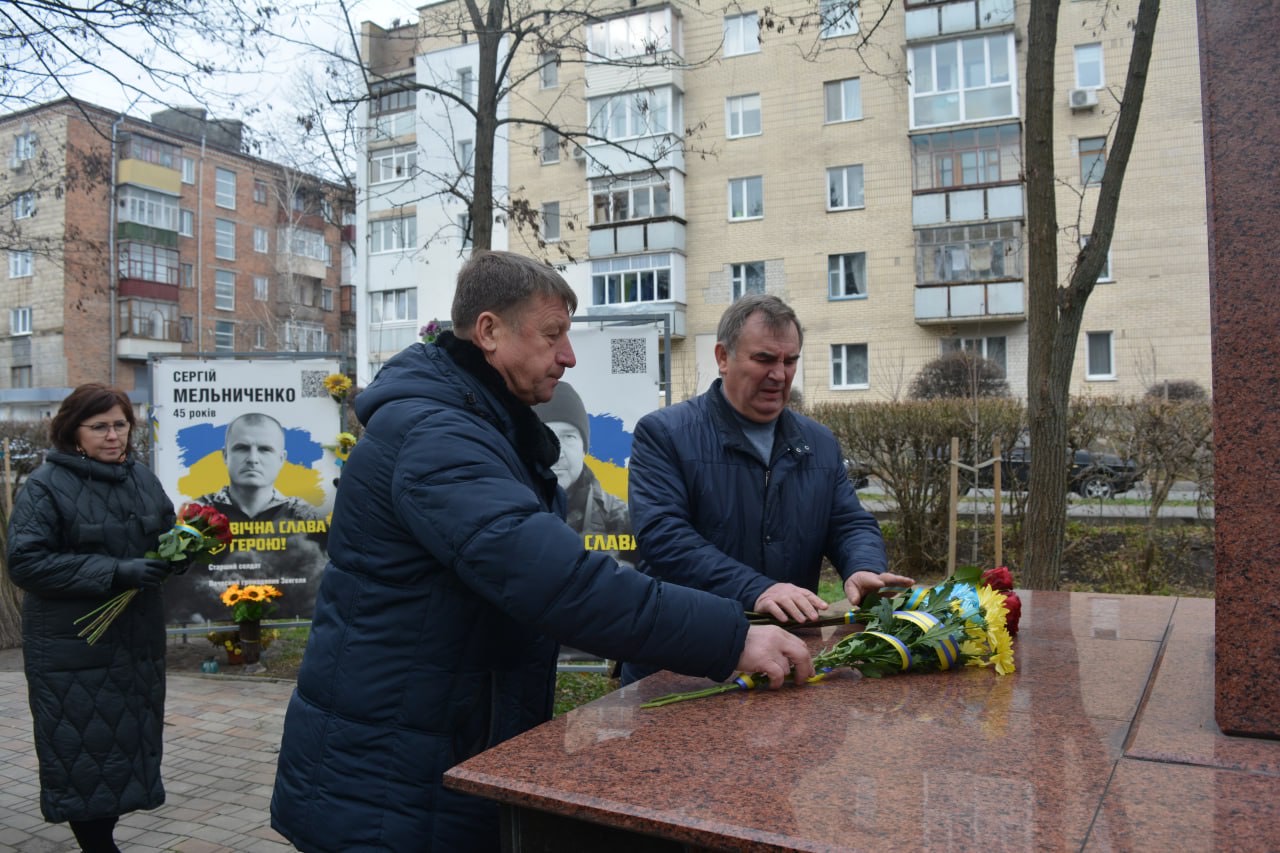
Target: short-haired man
[(255, 454), (452, 574), (734, 493)]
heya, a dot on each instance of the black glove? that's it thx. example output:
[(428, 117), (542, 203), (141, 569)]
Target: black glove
[(141, 573), (179, 567)]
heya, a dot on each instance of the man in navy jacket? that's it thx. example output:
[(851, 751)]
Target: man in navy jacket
[(451, 577), (736, 494)]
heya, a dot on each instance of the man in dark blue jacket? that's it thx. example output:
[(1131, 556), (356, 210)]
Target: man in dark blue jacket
[(736, 494), (451, 577)]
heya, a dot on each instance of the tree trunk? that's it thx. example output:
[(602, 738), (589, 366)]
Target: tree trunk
[(1055, 314)]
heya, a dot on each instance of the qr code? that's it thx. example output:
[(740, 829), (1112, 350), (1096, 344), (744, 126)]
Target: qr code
[(630, 355), (313, 383)]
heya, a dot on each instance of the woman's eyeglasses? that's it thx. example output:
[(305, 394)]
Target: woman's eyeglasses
[(103, 427)]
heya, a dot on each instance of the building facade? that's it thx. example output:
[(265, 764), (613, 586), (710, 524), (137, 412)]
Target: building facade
[(863, 162), (127, 237)]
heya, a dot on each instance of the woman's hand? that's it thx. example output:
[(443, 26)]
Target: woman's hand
[(141, 573)]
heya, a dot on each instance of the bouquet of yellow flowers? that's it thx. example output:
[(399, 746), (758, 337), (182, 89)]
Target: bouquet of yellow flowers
[(251, 602), (199, 533), (963, 621)]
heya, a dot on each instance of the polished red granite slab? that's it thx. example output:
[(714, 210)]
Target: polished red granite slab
[(944, 761)]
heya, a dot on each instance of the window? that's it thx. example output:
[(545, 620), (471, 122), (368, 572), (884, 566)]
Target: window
[(464, 230), (742, 116), (843, 100), (392, 235), (844, 188), (849, 366), (741, 34), (186, 223), (148, 262), (21, 263), (639, 34), (20, 377), (847, 275), (632, 114), (466, 153), (259, 337), (960, 253), (1099, 356), (394, 306), (224, 290), (24, 205), (393, 164), (187, 275), (261, 288), (630, 197), (548, 69), (20, 321), (300, 201), (1093, 159), (186, 328), (326, 299), (466, 84), (550, 146), (188, 170), (306, 291), (1089, 66), (148, 208), (391, 97), (551, 221), (224, 193), (957, 158), (151, 151), (638, 278), (1105, 274), (746, 198), (24, 147), (261, 242), (302, 242), (259, 192), (224, 335), (839, 17), (746, 278), (993, 348), (962, 80), (224, 245)]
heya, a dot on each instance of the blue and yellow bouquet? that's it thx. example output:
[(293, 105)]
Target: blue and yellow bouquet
[(963, 621)]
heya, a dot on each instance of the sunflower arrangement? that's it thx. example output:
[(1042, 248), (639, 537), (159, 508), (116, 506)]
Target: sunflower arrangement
[(250, 602), (964, 621), (338, 386)]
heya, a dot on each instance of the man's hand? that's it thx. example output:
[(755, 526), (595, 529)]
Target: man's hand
[(784, 601), (861, 583), (774, 651)]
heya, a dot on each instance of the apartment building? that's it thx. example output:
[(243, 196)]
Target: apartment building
[(863, 163), (126, 237)]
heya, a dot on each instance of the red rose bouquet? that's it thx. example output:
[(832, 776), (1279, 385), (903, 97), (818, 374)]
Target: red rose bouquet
[(199, 533)]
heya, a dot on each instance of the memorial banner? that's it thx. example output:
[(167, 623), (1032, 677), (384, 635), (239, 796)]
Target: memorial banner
[(253, 439)]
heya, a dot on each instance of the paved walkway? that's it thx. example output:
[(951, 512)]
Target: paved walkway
[(221, 738)]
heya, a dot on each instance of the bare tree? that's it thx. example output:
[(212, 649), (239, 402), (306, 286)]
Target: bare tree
[(1055, 311)]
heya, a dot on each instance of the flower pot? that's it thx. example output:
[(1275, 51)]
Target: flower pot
[(234, 659), (251, 640)]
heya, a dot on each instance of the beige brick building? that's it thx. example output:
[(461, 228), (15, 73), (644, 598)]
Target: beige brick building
[(876, 187), (213, 251)]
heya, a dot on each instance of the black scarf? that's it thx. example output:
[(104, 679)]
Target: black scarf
[(536, 444)]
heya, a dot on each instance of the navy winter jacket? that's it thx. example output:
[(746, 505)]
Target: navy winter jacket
[(450, 572), (708, 513)]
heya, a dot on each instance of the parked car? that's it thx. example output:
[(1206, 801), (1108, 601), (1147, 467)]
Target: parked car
[(1093, 474), (859, 472)]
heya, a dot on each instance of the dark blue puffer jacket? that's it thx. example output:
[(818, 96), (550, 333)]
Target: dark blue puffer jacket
[(450, 572), (709, 514)]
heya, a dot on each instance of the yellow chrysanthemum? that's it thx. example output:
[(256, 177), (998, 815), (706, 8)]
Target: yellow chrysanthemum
[(1002, 657), (993, 608)]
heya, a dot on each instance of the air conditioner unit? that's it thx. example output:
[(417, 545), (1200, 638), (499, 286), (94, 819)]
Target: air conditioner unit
[(1083, 99), (579, 153)]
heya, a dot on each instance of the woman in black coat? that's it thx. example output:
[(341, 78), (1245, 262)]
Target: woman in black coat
[(79, 529)]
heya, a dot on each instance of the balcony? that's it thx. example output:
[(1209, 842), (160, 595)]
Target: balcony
[(933, 18), (630, 237), (146, 328), (150, 175), (970, 302)]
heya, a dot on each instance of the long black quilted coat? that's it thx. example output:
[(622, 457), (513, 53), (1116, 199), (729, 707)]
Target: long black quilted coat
[(98, 709), (449, 573)]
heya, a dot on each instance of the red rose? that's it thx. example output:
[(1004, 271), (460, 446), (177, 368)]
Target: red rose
[(998, 578), (1014, 605), (189, 513)]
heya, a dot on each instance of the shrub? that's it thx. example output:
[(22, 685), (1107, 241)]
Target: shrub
[(961, 374), (1178, 390)]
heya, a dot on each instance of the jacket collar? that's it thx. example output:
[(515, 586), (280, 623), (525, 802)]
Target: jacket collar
[(91, 469), (787, 432)]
